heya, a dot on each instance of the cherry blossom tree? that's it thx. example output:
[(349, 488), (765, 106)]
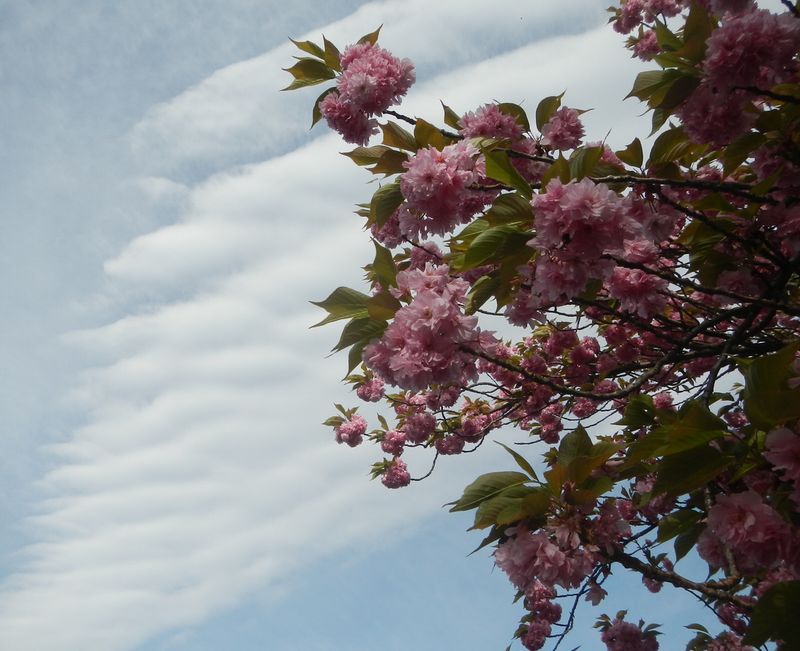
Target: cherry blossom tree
[(655, 371)]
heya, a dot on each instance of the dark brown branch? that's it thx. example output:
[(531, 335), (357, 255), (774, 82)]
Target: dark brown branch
[(735, 189), (409, 120), (790, 99), (658, 574), (792, 8)]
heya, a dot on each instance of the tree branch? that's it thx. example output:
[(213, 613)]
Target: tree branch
[(653, 572)]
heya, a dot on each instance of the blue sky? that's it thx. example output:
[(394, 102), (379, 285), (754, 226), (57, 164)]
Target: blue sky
[(165, 482)]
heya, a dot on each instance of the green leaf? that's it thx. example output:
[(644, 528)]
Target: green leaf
[(503, 509), (660, 116), (589, 489), (698, 27), (366, 155), (646, 448), (391, 162), (532, 505), (692, 427), (676, 523), (546, 108), (379, 159), (677, 92), (487, 486), (697, 627), (647, 82), (495, 243), (639, 412), (307, 72), (493, 536), (499, 168), (575, 444), (580, 468), (558, 170), (383, 306), (583, 161), (310, 48), (768, 400), (740, 149), (632, 154), (666, 39), (342, 303), (427, 135), (695, 426), (522, 462), (332, 55), (775, 616), (372, 37), (383, 267), (672, 145), (517, 112), (385, 201), (471, 231), (451, 118), (509, 207), (686, 471), (360, 330), (354, 356), (481, 291), (686, 541), (395, 136), (316, 114)]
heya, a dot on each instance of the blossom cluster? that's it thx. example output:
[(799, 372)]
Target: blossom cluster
[(437, 186), (428, 341), (371, 81)]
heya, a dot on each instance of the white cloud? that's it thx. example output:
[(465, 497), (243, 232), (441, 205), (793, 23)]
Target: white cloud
[(202, 472), (238, 114)]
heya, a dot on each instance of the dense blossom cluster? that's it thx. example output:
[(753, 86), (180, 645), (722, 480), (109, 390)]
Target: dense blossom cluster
[(657, 367), (756, 536), (371, 81), (426, 342), (438, 189), (564, 130), (625, 636)]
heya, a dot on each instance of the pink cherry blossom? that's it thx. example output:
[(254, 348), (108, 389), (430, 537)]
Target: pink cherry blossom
[(730, 6), (647, 46), (728, 642), (584, 217), (528, 556), (397, 475), (436, 186), (715, 114), (755, 48), (564, 130), (783, 452), (637, 291), (754, 532), (629, 16), (625, 636), (372, 79), (346, 118), (535, 636), (425, 343), (393, 442), (351, 431), (490, 122), (451, 444), (371, 390)]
